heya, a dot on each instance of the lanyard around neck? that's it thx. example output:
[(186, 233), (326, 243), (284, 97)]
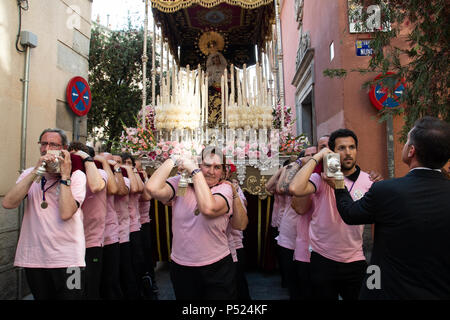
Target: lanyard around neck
[(44, 190)]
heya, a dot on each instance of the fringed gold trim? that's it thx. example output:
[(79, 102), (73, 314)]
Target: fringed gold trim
[(170, 6)]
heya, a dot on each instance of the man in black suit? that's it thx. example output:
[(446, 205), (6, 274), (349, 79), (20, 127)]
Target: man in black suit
[(412, 220)]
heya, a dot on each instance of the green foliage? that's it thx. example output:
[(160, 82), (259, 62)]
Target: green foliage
[(115, 76), (335, 73), (423, 62)]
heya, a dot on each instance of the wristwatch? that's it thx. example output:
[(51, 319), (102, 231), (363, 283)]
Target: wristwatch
[(89, 159), (66, 182), (117, 170)]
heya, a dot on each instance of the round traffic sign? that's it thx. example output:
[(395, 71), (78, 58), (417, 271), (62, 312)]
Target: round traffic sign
[(381, 97), (78, 95)]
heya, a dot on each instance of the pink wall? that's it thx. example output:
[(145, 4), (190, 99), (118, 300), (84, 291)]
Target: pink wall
[(289, 38), (320, 19)]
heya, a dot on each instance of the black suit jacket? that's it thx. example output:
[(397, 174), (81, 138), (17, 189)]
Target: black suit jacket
[(412, 234)]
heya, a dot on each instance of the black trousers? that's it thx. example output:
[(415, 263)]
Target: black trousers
[(288, 272), (241, 280), (216, 281), (93, 272), (303, 280), (127, 278), (110, 280), (137, 259), (147, 248), (330, 278), (56, 284)]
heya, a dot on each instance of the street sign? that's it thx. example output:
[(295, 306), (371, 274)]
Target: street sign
[(78, 95), (363, 48), (381, 97)]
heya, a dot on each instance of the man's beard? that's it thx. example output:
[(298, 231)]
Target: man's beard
[(347, 168)]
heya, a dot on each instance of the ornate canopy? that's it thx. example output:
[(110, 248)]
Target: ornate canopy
[(241, 23)]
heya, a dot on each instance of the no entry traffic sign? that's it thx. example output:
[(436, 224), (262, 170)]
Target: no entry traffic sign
[(380, 95), (78, 95)]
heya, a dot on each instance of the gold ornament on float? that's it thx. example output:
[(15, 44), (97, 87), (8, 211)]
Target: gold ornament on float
[(211, 42)]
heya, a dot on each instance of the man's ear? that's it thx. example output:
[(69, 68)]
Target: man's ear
[(411, 151)]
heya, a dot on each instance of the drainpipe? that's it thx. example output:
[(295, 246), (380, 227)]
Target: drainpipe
[(27, 40)]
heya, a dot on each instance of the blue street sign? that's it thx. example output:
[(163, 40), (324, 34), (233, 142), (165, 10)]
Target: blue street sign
[(363, 48)]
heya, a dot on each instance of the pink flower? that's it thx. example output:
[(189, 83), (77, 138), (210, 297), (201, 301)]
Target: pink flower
[(165, 148), (158, 152), (165, 155)]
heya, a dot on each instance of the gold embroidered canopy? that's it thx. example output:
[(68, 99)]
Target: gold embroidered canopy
[(174, 5), (242, 24)]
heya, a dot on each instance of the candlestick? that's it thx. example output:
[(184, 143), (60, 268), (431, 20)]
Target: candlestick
[(225, 94), (222, 89), (244, 89), (232, 85), (207, 102)]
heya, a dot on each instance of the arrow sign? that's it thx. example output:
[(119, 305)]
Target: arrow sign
[(78, 95)]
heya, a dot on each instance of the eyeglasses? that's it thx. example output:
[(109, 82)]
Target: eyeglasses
[(50, 144)]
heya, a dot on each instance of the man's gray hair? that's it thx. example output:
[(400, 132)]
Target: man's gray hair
[(61, 132)]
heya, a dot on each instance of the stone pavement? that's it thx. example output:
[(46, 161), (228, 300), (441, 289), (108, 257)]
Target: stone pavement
[(262, 286)]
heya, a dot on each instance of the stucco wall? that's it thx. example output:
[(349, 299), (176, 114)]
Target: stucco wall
[(289, 38), (63, 31)]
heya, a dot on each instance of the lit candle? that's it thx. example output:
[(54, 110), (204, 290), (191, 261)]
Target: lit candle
[(225, 94), (222, 101), (232, 84), (244, 88), (207, 104)]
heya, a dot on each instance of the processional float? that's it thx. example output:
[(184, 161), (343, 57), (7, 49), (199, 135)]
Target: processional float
[(194, 108)]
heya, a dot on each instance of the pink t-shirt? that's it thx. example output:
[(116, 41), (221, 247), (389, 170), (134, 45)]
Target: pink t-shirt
[(302, 243), (133, 207), (198, 240), (277, 210), (329, 235), (144, 211), (288, 226), (47, 241), (111, 221), (121, 204), (94, 214), (235, 236)]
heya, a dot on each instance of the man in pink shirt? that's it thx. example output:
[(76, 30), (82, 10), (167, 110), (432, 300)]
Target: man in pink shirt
[(202, 266), (127, 279), (51, 244), (94, 215), (288, 235), (235, 236), (337, 261), (110, 282), (301, 252), (280, 203), (149, 281), (136, 246)]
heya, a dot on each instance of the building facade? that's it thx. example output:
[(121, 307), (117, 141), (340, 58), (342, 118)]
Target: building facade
[(63, 31), (325, 39)]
